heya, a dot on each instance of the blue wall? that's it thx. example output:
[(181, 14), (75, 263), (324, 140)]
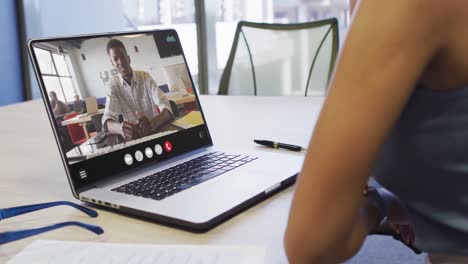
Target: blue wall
[(11, 80)]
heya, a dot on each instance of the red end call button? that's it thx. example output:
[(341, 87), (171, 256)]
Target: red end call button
[(168, 146)]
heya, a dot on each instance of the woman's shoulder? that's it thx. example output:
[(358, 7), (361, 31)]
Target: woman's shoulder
[(418, 12), (433, 22)]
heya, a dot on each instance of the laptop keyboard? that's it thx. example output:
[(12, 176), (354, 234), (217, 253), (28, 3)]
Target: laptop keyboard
[(168, 182)]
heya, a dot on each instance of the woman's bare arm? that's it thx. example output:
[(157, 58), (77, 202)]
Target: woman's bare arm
[(388, 47)]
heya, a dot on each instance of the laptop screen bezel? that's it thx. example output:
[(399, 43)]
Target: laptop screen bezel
[(76, 190)]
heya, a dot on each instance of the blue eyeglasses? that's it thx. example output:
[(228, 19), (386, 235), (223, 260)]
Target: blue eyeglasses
[(5, 213)]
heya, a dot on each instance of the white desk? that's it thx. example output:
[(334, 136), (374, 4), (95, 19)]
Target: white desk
[(32, 173), (83, 118)]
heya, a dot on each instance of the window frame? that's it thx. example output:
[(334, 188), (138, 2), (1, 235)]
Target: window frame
[(57, 75)]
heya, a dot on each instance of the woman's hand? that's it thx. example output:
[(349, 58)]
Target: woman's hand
[(395, 209), (397, 215)]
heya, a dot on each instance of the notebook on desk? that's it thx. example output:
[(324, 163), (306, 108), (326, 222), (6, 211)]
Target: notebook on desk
[(192, 119), (177, 177)]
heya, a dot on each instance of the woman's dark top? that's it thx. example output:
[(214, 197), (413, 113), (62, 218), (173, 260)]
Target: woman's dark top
[(425, 162)]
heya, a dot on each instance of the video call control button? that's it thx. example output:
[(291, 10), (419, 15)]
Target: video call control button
[(83, 174), (168, 146), (139, 156), (149, 153), (128, 159), (158, 149)]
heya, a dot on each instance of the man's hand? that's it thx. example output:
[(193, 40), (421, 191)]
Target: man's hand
[(144, 125), (129, 130), (164, 118)]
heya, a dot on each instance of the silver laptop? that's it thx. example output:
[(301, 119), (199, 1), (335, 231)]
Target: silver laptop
[(157, 159)]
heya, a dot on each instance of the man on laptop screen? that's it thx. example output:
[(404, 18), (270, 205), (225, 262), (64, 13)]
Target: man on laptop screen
[(134, 95)]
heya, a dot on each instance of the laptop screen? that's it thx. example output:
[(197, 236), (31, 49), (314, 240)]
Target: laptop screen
[(118, 101)]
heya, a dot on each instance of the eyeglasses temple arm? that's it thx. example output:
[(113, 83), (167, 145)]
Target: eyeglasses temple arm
[(14, 211), (16, 235)]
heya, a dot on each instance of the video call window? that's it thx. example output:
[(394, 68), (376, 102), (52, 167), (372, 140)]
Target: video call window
[(111, 93)]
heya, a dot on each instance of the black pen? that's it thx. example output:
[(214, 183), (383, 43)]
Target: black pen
[(277, 145)]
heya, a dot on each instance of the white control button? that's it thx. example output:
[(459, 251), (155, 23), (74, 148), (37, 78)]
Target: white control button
[(158, 149), (128, 159), (149, 153), (139, 156)]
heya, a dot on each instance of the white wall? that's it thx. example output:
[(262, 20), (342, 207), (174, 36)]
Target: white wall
[(97, 61)]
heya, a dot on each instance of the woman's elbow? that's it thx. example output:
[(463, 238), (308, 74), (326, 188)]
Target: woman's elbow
[(295, 252), (300, 249)]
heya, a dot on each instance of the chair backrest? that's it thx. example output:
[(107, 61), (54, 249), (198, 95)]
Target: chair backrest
[(91, 104), (78, 106), (76, 132), (96, 120), (174, 108), (281, 59)]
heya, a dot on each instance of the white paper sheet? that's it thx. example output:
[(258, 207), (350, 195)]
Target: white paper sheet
[(51, 252)]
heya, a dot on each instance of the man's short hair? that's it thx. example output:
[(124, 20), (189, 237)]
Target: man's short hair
[(115, 43)]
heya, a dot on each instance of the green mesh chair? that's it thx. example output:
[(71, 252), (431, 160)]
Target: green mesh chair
[(281, 59)]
